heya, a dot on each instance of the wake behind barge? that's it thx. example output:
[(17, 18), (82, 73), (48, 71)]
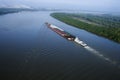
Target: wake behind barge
[(65, 34)]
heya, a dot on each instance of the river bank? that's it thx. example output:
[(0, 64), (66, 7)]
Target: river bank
[(111, 33)]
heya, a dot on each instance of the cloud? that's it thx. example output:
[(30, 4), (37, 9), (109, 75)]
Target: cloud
[(15, 6), (20, 6)]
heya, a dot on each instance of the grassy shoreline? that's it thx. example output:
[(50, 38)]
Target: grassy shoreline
[(112, 33)]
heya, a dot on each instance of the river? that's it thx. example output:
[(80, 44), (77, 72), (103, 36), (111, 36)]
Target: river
[(31, 51)]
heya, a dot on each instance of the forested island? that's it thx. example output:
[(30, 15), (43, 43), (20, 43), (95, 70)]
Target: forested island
[(102, 24), (13, 10)]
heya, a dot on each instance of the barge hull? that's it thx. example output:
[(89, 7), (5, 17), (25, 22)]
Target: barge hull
[(65, 34)]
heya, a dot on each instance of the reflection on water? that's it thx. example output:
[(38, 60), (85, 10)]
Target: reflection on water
[(31, 51)]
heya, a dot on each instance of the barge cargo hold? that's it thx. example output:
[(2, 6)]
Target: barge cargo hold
[(65, 34)]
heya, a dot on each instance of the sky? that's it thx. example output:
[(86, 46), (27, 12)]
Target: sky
[(92, 5)]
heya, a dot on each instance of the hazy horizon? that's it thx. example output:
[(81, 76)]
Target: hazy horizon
[(92, 5)]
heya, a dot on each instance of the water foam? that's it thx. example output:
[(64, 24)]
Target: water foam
[(99, 55)]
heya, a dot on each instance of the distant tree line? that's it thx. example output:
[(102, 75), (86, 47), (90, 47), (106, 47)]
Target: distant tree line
[(13, 10), (109, 32), (6, 11), (102, 19)]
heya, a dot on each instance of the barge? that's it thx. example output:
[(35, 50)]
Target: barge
[(65, 34)]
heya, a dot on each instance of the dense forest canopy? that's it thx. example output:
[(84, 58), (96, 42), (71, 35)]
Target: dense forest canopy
[(109, 25)]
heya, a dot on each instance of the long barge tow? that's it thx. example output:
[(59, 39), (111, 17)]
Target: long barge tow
[(65, 34)]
